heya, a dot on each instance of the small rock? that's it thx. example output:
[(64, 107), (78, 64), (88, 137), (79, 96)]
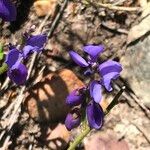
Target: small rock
[(105, 142), (58, 137), (43, 7), (46, 100)]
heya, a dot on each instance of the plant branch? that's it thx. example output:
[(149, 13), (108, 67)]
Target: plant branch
[(87, 130), (79, 138)]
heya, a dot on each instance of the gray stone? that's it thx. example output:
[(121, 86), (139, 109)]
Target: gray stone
[(136, 65)]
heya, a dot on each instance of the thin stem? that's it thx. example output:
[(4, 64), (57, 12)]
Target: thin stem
[(57, 18), (87, 130), (115, 101), (79, 138)]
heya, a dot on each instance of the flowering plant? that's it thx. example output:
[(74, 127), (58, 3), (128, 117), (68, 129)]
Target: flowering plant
[(91, 95), (17, 71), (85, 101)]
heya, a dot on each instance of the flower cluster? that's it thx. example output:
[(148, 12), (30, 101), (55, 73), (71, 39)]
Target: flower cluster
[(17, 71), (7, 10), (88, 98)]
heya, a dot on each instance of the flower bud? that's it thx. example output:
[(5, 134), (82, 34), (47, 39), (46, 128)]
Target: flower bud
[(75, 98), (73, 119)]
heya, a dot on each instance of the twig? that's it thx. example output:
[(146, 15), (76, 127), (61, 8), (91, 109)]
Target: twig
[(113, 7), (6, 143), (142, 130), (57, 18), (114, 29), (132, 97), (141, 105), (5, 84), (31, 145), (115, 101), (119, 8), (8, 110)]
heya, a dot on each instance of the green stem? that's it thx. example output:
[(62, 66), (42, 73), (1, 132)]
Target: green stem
[(3, 68), (115, 101), (87, 130), (79, 139)]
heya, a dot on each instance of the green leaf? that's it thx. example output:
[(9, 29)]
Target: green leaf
[(1, 56)]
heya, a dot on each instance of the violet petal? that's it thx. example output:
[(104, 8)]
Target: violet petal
[(18, 73), (95, 91), (109, 70), (93, 51), (95, 115), (106, 81), (37, 41), (12, 57), (72, 120), (74, 98), (78, 59), (27, 50)]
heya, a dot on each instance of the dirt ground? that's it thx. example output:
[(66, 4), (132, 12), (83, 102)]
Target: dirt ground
[(38, 122)]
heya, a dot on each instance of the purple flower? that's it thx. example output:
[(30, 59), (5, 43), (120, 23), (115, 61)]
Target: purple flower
[(75, 98), (73, 119), (34, 44), (37, 41), (7, 10), (90, 100), (95, 91), (109, 70), (78, 59), (17, 72), (27, 50), (95, 115), (12, 57), (91, 50)]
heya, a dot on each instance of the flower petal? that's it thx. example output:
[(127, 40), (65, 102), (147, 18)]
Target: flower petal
[(73, 119), (93, 51), (28, 50), (74, 98), (18, 73), (12, 57), (109, 70), (78, 59), (106, 81), (37, 40), (7, 10), (95, 115), (95, 91)]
